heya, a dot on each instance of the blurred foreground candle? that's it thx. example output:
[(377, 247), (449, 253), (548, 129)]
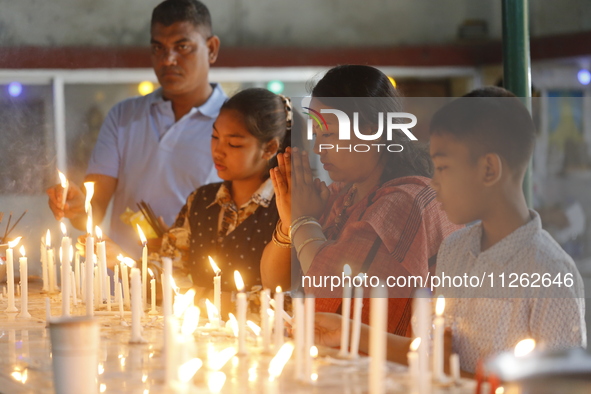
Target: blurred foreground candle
[(166, 287), (101, 252), (144, 265), (10, 274), (346, 312), (44, 248), (357, 307), (24, 285), (309, 306), (279, 318), (299, 335), (422, 316), (89, 297), (136, 307), (50, 263), (66, 268), (413, 360), (241, 312), (454, 366), (439, 325), (377, 339), (217, 290), (265, 328)]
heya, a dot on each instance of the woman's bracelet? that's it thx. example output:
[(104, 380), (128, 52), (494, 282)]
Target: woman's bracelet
[(306, 242), (280, 243), (300, 222), (280, 234)]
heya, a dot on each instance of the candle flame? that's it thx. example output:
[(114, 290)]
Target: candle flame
[(278, 289), (233, 324), (440, 306), (22, 250), (63, 180), (48, 239), (151, 272), (278, 362), (214, 266), (254, 327), (99, 233), (20, 376), (238, 280), (347, 270), (314, 352), (103, 388), (89, 193), (218, 360), (182, 302), (525, 347), (142, 236), (189, 369), (216, 381), (128, 261), (415, 344), (500, 390), (101, 369), (212, 311), (12, 244), (314, 377), (63, 228), (190, 321)]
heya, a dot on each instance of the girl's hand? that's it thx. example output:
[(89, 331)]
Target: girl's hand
[(327, 329), (309, 195)]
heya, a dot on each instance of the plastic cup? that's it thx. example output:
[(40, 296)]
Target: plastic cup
[(75, 350)]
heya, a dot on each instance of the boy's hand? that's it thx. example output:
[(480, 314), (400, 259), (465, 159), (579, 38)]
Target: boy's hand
[(74, 201), (327, 329)]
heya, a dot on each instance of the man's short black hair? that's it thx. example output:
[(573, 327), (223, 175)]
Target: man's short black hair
[(489, 120), (193, 11)]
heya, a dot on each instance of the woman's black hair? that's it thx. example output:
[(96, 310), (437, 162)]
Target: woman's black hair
[(357, 83), (265, 116)]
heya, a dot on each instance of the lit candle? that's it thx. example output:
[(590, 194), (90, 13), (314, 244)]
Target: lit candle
[(65, 184), (101, 252), (439, 324), (97, 287), (50, 263), (144, 266), (241, 312), (66, 268), (116, 280), (83, 282), (346, 312), (299, 334), (74, 294), (108, 281), (24, 285), (89, 251), (265, 328), (77, 273), (422, 313), (413, 360), (10, 274), (44, 264), (125, 262), (136, 307), (153, 310), (166, 287), (217, 290), (119, 297), (310, 304), (377, 339), (278, 318), (357, 307)]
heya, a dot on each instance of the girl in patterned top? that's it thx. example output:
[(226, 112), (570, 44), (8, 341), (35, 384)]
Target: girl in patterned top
[(232, 221), (379, 215)]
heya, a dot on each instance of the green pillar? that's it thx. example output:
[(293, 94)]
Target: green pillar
[(517, 62)]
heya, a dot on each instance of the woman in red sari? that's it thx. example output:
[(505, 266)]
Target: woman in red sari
[(379, 215)]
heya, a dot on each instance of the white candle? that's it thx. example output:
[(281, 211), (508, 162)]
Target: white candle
[(423, 321), (454, 366), (77, 273), (116, 281), (413, 361), (51, 268), (44, 261), (217, 289), (101, 252), (299, 335), (144, 265), (83, 282), (66, 268), (356, 331), (345, 312), (10, 275), (24, 285), (97, 288), (65, 185), (108, 282), (377, 339), (265, 328), (89, 251), (74, 293), (153, 310), (136, 307), (310, 305), (119, 297), (166, 287), (278, 318), (439, 325), (125, 280), (241, 312)]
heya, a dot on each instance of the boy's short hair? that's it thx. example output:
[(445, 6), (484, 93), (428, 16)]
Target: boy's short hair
[(193, 11), (489, 120)]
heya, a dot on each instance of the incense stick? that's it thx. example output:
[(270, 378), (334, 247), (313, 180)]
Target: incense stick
[(14, 225), (7, 224)]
